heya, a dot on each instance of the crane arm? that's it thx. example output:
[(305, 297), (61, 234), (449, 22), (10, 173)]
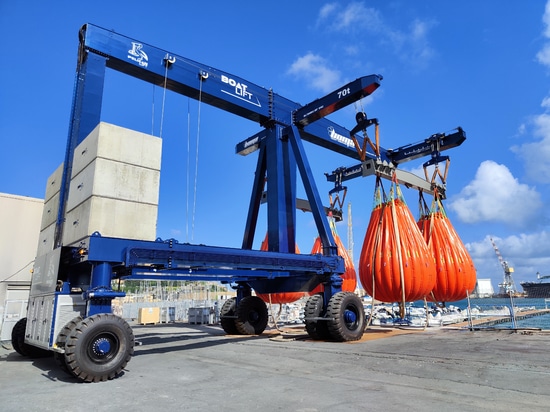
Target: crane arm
[(224, 90), (100, 49), (241, 97)]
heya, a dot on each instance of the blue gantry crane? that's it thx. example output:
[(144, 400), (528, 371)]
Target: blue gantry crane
[(69, 310)]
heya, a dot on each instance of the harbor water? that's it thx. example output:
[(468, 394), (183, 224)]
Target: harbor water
[(493, 313), (519, 304)]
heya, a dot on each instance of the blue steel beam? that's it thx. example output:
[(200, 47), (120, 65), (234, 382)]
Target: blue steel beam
[(255, 199), (317, 209), (171, 260), (184, 76), (171, 254), (336, 100), (225, 90), (85, 115), (431, 146), (281, 193)]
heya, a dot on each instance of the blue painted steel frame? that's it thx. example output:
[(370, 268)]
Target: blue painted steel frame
[(100, 48), (264, 271), (85, 115), (281, 154)]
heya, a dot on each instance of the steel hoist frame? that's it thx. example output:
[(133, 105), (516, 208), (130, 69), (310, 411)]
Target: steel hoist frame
[(281, 158)]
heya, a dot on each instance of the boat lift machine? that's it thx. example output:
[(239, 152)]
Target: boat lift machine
[(72, 317)]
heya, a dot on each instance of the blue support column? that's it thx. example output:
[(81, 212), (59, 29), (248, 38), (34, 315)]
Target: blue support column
[(281, 193), (100, 294), (255, 199), (85, 116), (329, 245), (101, 276)]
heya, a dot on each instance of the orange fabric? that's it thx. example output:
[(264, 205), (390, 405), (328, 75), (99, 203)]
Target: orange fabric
[(396, 264), (456, 273), (283, 297), (349, 278)]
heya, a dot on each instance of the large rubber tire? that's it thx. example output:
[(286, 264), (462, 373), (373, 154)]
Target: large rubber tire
[(22, 348), (18, 337), (61, 341), (316, 329), (99, 347), (346, 316), (252, 316), (227, 317)]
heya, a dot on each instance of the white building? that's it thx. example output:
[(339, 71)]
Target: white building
[(483, 289), (20, 219)]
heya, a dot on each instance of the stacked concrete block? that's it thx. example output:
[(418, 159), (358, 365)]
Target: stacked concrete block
[(114, 188), (49, 214)]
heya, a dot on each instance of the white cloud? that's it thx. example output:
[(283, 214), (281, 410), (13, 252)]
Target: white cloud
[(543, 56), (327, 11), (410, 46), (526, 253), (546, 20), (536, 155), (522, 129), (315, 71), (420, 51), (353, 16), (495, 195), (175, 232)]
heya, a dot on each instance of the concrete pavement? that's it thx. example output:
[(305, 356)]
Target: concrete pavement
[(199, 368)]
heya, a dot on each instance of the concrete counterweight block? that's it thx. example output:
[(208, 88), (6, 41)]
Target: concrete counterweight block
[(114, 188)]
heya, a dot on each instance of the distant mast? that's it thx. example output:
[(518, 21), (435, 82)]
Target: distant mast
[(350, 234)]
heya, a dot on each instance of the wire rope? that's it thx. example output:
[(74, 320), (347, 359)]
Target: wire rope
[(196, 160), (153, 113), (359, 106), (163, 99), (187, 171), (202, 77), (16, 273)]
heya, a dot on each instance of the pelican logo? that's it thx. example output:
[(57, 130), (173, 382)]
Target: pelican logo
[(137, 54)]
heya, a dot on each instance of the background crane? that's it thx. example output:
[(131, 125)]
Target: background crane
[(507, 286)]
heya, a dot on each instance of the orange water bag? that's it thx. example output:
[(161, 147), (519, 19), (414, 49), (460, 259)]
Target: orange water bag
[(396, 264), (456, 273), (349, 278)]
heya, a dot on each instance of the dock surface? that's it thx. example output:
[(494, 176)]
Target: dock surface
[(486, 321), (199, 368)]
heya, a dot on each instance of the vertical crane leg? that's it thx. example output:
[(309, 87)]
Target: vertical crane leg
[(85, 116), (255, 199), (281, 193), (338, 314), (327, 240), (100, 294)]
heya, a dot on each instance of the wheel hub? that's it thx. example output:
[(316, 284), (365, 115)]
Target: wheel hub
[(253, 316), (350, 317), (101, 347)]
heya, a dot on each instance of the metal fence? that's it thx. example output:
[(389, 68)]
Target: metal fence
[(171, 311)]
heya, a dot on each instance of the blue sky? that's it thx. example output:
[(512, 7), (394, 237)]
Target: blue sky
[(482, 65)]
